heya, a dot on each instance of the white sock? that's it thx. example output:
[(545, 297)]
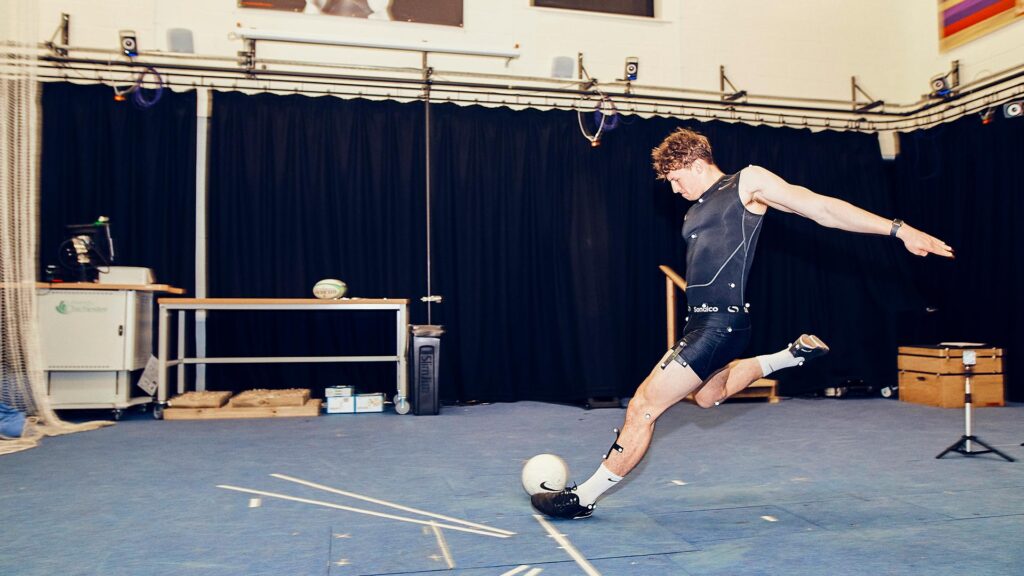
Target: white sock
[(598, 484), (777, 361)]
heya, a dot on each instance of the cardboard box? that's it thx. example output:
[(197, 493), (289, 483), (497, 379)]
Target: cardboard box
[(341, 405), (369, 403), (336, 391)]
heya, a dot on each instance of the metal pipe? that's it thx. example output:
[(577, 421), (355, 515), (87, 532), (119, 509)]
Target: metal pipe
[(652, 103), (426, 160), (320, 39), (545, 90)]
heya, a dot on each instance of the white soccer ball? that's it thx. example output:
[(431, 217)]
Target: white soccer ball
[(329, 289), (545, 473)]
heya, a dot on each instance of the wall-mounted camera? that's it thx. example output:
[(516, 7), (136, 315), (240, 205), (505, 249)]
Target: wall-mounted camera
[(632, 68), (129, 44), (941, 87), (1013, 109)]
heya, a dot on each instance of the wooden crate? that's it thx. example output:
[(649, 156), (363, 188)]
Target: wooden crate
[(934, 376), (947, 390), (939, 360)]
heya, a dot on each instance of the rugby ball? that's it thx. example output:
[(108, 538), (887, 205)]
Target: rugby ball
[(329, 289)]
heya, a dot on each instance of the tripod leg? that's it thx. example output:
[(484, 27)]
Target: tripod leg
[(992, 450), (958, 447)]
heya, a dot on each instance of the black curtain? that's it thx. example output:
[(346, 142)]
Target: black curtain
[(545, 248), (303, 189), (962, 182), (102, 157)]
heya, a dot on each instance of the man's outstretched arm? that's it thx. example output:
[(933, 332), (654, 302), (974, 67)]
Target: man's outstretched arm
[(768, 189)]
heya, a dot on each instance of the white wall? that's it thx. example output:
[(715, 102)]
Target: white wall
[(801, 48)]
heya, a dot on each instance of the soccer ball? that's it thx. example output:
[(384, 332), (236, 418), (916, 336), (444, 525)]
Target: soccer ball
[(545, 473)]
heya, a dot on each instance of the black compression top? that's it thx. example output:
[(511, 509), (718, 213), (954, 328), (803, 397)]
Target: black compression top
[(721, 235)]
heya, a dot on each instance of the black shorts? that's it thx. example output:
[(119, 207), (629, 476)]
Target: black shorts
[(712, 340)]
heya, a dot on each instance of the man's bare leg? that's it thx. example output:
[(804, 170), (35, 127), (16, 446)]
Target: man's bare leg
[(662, 389), (727, 382), (742, 373)]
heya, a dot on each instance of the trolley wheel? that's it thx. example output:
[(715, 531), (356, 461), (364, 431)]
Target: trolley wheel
[(158, 411), (117, 412), (401, 404)]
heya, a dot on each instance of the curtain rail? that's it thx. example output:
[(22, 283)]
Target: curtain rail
[(930, 114)]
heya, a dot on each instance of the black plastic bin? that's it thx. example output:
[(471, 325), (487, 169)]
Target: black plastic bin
[(426, 353)]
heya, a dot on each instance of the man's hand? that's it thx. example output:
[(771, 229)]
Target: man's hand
[(922, 244)]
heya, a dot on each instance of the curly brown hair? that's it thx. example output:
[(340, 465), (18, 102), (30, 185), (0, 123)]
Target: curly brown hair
[(679, 150)]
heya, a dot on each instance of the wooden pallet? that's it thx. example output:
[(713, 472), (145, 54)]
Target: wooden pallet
[(311, 408), (763, 388)]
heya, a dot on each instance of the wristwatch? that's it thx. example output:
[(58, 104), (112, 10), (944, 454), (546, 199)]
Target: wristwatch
[(896, 224)]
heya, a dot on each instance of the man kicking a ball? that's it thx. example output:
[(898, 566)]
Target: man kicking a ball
[(721, 231)]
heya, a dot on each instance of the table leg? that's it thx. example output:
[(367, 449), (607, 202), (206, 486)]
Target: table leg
[(402, 342), (162, 351), (181, 351)]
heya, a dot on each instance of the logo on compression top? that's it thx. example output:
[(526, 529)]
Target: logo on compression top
[(705, 308), (734, 308)]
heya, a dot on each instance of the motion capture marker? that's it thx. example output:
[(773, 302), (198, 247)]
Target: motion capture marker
[(648, 416), (692, 236), (728, 329), (732, 284), (255, 502), (679, 483), (700, 200), (769, 518)]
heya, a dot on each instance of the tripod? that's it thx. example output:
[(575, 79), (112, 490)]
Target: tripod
[(963, 446)]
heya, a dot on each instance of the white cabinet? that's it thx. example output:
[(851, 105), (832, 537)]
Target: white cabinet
[(92, 339), (95, 329)]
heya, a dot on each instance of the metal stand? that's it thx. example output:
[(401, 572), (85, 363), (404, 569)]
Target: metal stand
[(963, 446)]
